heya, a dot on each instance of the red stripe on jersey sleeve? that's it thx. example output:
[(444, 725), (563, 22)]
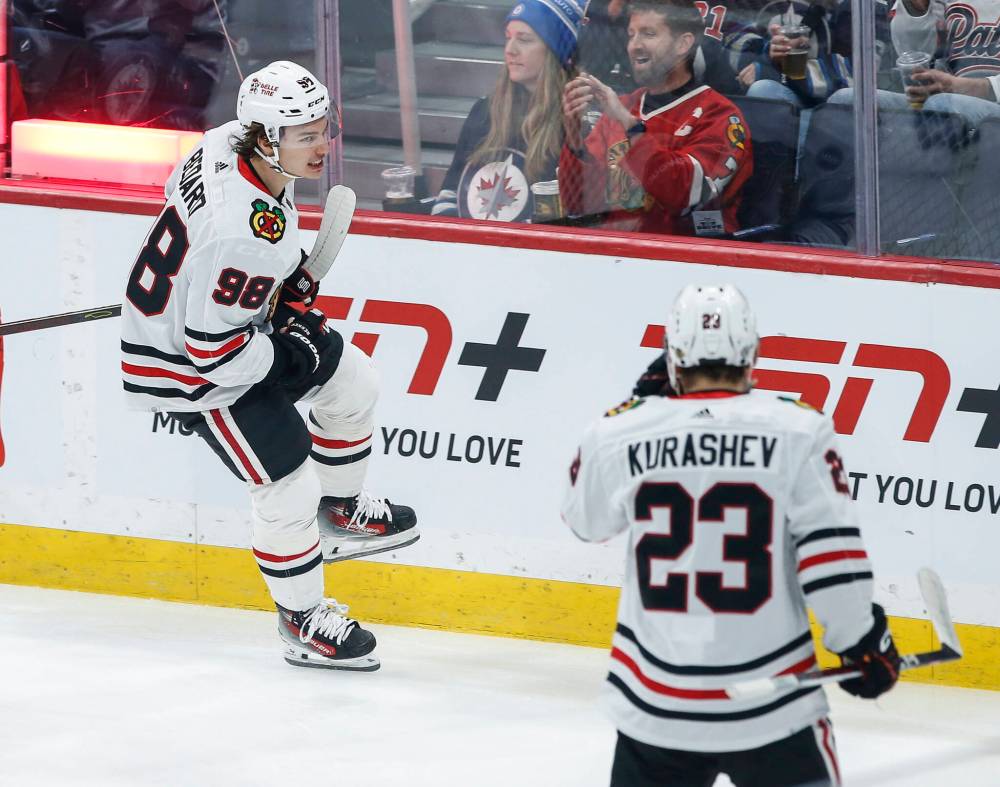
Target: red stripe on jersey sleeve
[(831, 557), (807, 663), (229, 346)]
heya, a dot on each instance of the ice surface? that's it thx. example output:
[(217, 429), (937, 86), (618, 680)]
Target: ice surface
[(119, 692)]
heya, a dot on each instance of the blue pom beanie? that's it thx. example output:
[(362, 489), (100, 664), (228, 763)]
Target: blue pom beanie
[(557, 23)]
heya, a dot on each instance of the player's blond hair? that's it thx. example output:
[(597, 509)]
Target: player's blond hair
[(539, 115)]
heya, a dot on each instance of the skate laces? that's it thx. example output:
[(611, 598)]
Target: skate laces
[(328, 619), (368, 507)]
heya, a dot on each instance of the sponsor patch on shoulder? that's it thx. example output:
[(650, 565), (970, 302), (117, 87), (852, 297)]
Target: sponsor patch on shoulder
[(628, 404), (800, 403)]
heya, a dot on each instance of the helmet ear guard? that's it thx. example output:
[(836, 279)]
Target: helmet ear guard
[(710, 325)]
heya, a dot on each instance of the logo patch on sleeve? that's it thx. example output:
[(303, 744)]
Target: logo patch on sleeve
[(267, 222), (629, 404), (800, 403), (736, 133)]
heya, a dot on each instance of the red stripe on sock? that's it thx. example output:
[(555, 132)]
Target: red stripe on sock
[(283, 558), (326, 443)]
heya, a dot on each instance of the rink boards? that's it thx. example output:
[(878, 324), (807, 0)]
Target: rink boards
[(493, 358)]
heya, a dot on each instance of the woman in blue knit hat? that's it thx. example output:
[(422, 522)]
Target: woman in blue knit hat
[(512, 138)]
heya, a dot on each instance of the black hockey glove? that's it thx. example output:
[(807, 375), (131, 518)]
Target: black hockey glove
[(296, 356), (877, 658), (299, 287), (654, 381)]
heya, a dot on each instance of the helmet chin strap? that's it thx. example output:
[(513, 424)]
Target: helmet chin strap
[(272, 162)]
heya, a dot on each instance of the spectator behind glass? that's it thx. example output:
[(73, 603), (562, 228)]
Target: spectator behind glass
[(512, 138), (829, 65), (961, 36), (670, 157), (727, 45)]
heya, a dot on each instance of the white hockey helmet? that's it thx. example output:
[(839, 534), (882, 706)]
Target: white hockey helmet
[(710, 325), (284, 94)]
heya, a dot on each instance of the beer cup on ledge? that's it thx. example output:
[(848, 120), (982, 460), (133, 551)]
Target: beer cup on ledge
[(546, 204), (908, 63), (793, 65)]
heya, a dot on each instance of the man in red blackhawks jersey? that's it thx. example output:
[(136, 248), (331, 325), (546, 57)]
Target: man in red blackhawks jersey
[(670, 157), (738, 515), (210, 335)]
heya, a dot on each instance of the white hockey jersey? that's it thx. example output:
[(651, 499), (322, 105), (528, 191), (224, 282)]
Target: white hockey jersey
[(198, 299), (738, 514)]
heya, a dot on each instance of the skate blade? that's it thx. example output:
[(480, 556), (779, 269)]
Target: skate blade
[(348, 551), (297, 658)]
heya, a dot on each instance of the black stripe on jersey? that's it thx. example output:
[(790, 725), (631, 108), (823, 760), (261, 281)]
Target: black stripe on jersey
[(287, 573), (152, 352), (837, 579), (725, 669), (739, 715), (340, 460), (830, 532), (226, 359), (201, 336), (170, 393)]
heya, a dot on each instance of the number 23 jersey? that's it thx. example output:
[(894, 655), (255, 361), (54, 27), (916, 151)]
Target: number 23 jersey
[(200, 294), (738, 514)]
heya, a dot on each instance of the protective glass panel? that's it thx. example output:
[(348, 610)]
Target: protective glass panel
[(939, 133), (162, 70), (722, 149)]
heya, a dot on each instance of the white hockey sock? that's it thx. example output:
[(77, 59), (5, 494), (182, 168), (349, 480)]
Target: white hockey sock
[(340, 455), (295, 579)]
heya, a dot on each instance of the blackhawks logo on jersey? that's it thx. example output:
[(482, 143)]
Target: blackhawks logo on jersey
[(266, 222)]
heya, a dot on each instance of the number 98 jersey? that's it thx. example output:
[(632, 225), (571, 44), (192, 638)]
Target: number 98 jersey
[(202, 289), (738, 515)]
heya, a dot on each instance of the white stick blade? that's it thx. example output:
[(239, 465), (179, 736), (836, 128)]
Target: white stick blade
[(337, 216), (937, 608)]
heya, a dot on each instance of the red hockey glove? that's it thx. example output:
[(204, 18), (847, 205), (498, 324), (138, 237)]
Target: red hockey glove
[(877, 658)]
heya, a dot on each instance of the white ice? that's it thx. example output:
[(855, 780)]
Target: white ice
[(118, 692)]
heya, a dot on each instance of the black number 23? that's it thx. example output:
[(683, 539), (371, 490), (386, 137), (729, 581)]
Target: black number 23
[(751, 548)]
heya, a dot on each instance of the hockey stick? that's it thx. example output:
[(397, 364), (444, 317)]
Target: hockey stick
[(55, 320), (337, 215), (937, 609)]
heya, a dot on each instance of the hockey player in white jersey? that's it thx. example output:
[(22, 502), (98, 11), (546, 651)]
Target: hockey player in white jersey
[(738, 515), (214, 332)]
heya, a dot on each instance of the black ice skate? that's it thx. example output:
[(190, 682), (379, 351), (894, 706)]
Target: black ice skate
[(323, 637), (352, 527)]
